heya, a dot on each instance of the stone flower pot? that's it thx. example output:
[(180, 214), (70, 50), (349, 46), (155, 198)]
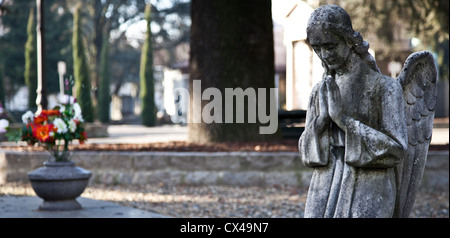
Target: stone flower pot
[(59, 184)]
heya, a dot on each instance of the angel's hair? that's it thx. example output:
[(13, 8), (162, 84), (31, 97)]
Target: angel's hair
[(336, 19)]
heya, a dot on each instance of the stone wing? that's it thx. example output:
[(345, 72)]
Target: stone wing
[(418, 80)]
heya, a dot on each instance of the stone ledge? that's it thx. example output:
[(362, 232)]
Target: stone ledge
[(196, 168)]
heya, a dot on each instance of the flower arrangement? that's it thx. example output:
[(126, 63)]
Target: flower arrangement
[(4, 123), (49, 128)]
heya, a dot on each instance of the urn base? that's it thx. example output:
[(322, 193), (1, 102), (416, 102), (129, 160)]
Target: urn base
[(64, 205)]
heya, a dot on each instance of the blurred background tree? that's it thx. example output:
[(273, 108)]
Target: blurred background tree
[(13, 37), (12, 42), (30, 73), (104, 96), (2, 87), (147, 82), (231, 47), (424, 21), (81, 70), (112, 19), (123, 23)]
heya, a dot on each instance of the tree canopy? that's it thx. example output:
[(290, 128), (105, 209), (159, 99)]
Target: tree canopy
[(171, 27)]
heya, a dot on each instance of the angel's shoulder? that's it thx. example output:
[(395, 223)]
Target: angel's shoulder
[(388, 84)]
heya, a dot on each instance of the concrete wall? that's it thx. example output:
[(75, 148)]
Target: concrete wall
[(196, 168)]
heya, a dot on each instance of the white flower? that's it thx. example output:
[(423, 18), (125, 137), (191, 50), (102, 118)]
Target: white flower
[(77, 112), (27, 117), (72, 126), (60, 126), (3, 125), (66, 99), (62, 109)]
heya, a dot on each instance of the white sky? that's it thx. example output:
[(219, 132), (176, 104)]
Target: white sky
[(280, 8)]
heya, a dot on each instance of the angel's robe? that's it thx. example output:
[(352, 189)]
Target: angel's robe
[(354, 171)]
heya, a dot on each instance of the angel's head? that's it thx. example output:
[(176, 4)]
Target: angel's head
[(330, 33)]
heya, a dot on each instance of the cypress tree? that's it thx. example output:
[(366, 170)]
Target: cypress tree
[(2, 87), (30, 73), (104, 97), (147, 88), (81, 70)]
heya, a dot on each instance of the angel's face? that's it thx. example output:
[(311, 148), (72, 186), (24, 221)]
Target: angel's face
[(330, 48)]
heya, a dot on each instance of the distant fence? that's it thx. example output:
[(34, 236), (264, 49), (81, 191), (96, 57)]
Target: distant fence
[(292, 123)]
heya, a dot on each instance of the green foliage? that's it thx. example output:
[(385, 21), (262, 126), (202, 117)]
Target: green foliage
[(100, 17), (58, 45), (81, 70), (12, 43), (31, 61), (3, 9), (58, 34), (147, 88), (426, 20), (104, 97), (2, 86)]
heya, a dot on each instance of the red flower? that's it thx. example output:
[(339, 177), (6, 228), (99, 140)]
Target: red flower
[(44, 116), (51, 112), (40, 119), (42, 133), (83, 137)]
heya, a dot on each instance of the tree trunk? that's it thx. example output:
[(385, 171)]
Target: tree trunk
[(81, 70), (104, 95), (231, 47)]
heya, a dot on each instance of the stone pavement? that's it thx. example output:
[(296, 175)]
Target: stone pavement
[(135, 134), (27, 207)]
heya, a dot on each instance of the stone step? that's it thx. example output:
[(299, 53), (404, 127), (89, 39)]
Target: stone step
[(196, 168)]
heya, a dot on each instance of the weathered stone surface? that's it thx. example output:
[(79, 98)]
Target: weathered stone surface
[(189, 163), (200, 178), (115, 160), (144, 161), (159, 176), (366, 135), (277, 178), (223, 163), (153, 167), (19, 160), (87, 160), (265, 162), (242, 178), (59, 184)]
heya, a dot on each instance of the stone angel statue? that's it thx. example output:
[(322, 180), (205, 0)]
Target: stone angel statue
[(366, 134)]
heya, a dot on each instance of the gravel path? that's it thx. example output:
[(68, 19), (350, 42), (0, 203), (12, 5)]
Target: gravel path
[(223, 201)]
